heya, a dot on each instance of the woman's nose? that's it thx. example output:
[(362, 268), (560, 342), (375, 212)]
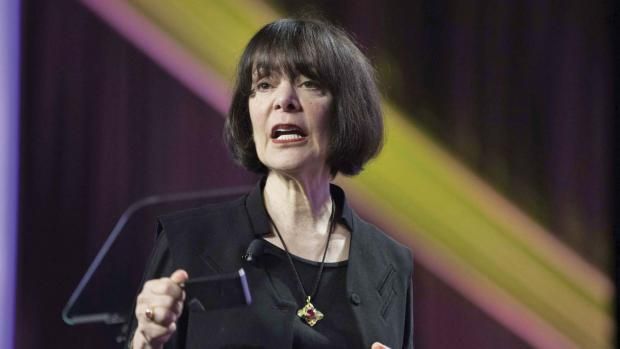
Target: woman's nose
[(286, 98)]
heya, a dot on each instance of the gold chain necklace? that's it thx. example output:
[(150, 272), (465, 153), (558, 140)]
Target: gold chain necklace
[(309, 313)]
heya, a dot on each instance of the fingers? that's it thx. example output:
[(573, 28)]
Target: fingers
[(159, 300), (165, 309), (377, 345), (179, 276), (163, 286), (163, 300)]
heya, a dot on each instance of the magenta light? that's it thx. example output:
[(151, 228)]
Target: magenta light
[(9, 120)]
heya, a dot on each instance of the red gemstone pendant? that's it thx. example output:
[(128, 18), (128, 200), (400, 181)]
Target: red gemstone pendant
[(309, 313)]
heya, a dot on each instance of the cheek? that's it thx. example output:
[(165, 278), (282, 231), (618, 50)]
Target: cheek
[(258, 137), (257, 132), (259, 144)]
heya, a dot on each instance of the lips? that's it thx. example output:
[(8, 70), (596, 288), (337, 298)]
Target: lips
[(286, 133)]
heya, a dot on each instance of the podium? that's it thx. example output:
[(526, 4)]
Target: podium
[(107, 290)]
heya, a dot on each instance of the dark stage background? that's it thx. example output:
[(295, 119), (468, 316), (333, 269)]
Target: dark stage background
[(521, 91)]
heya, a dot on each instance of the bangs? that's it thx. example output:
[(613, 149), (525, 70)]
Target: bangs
[(291, 49)]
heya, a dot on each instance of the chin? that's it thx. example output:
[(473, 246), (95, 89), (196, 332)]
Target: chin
[(293, 167), (286, 167)]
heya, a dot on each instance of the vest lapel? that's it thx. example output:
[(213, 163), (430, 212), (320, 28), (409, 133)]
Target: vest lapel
[(364, 275)]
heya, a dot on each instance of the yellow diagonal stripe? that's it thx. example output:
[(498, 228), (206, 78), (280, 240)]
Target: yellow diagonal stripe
[(412, 181)]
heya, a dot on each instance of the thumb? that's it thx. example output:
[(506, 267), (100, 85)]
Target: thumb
[(179, 276), (377, 345)]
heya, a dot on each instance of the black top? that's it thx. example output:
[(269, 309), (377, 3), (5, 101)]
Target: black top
[(336, 329), (210, 240)]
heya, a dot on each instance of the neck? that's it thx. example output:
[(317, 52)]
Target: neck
[(298, 204)]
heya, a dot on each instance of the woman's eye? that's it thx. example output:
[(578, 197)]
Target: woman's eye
[(309, 84), (261, 86)]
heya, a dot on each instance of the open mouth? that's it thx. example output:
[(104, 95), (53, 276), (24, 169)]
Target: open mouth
[(287, 133)]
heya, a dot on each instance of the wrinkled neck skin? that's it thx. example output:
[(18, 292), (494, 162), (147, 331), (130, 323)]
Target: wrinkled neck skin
[(299, 204)]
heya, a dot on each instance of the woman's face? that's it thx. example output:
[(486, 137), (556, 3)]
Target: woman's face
[(289, 123)]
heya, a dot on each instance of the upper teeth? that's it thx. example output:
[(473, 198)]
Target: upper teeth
[(289, 136)]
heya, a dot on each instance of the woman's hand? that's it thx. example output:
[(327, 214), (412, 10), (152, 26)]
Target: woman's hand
[(377, 345), (158, 307)]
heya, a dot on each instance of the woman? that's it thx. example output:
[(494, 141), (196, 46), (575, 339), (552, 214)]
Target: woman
[(305, 108)]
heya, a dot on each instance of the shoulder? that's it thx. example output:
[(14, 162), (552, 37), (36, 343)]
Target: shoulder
[(198, 215), (374, 238), (206, 222), (375, 245)]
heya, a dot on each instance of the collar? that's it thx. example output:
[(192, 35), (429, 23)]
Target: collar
[(255, 207)]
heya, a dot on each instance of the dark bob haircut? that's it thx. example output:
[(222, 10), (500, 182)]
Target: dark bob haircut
[(324, 53)]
